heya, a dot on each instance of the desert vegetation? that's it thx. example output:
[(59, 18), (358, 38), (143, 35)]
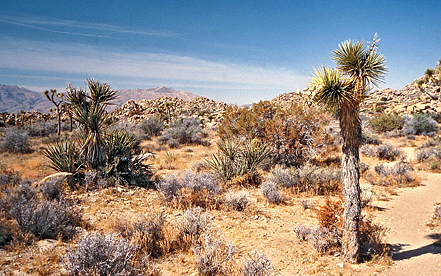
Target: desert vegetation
[(257, 191)]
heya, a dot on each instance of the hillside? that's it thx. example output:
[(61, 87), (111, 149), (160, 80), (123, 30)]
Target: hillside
[(14, 98)]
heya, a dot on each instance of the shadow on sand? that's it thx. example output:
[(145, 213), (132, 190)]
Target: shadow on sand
[(398, 254)]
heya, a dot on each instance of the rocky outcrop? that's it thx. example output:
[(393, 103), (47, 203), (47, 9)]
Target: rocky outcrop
[(409, 100), (207, 109)]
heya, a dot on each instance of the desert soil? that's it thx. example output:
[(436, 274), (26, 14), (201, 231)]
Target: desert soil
[(407, 216)]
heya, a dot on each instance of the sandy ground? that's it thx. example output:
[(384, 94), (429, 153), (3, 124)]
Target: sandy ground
[(406, 216)]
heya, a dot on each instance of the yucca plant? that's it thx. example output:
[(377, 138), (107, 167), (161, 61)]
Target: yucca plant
[(124, 158), (224, 162), (89, 110), (64, 156), (235, 159)]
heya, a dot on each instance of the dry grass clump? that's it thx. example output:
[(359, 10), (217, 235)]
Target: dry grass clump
[(400, 174), (429, 154), (382, 152), (308, 178), (149, 235), (272, 193), (190, 190), (100, 254), (257, 264), (214, 256), (238, 200)]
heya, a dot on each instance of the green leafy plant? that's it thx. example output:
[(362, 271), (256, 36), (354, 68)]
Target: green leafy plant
[(386, 122)]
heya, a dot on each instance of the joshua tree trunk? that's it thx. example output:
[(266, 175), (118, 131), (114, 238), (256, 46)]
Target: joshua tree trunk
[(59, 121), (351, 133)]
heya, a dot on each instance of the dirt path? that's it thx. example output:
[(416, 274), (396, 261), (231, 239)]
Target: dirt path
[(406, 217)]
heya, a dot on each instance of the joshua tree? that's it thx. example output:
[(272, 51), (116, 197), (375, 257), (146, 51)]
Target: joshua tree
[(342, 90), (57, 104)]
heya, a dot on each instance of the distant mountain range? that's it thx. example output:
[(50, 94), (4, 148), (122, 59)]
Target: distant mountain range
[(14, 99)]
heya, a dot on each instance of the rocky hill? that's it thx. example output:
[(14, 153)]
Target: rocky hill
[(200, 106), (137, 95)]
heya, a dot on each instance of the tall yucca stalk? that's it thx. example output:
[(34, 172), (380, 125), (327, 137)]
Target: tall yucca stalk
[(342, 90)]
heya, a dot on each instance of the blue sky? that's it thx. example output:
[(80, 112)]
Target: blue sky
[(233, 51)]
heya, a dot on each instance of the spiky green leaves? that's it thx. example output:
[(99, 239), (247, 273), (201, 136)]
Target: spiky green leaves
[(331, 88), (364, 65), (64, 156)]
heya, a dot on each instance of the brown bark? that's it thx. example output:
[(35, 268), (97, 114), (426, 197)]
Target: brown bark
[(351, 133)]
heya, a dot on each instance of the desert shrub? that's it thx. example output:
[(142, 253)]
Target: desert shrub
[(5, 233), (16, 195), (363, 167), (16, 141), (435, 115), (235, 159), (372, 239), (183, 131), (366, 194), (191, 189), (272, 192), (170, 187), (99, 254), (370, 139), (9, 177), (385, 122), (308, 178), (301, 232), (286, 178), (49, 219), (41, 129), (292, 134), (388, 152), (257, 264), (326, 238), (148, 235), (400, 174), (193, 224), (213, 256), (383, 151), (237, 200), (420, 124), (432, 142), (329, 214), (323, 239), (42, 218), (152, 126), (52, 189)]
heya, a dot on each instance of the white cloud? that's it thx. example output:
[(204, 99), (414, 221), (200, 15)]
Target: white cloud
[(55, 59), (52, 57), (53, 25)]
